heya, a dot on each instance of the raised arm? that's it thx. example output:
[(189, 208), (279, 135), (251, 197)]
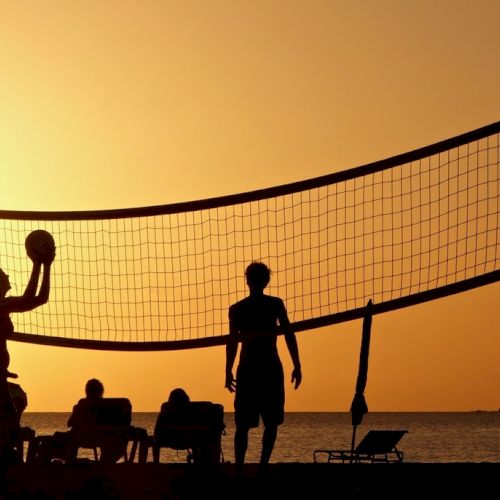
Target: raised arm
[(43, 294), (29, 300), (32, 285)]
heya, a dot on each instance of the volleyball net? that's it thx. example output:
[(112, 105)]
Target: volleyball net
[(400, 231)]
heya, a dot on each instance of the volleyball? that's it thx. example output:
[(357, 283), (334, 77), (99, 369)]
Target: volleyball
[(39, 245)]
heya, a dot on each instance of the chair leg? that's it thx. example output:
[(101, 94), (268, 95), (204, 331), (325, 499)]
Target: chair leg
[(143, 451), (133, 451), (32, 450)]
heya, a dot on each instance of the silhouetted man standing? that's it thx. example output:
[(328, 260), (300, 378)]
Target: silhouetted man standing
[(260, 390)]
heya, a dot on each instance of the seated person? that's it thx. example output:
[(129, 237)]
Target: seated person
[(64, 445), (186, 425), (83, 413), (175, 409)]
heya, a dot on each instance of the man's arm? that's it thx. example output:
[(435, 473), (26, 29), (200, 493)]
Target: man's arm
[(231, 351), (293, 348)]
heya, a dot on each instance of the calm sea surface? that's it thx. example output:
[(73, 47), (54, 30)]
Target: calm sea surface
[(432, 437)]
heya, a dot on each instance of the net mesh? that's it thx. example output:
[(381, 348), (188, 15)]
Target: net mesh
[(386, 231)]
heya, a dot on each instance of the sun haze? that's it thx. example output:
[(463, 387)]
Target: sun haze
[(126, 104)]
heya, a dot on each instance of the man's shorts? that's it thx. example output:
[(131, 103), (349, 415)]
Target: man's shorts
[(260, 391)]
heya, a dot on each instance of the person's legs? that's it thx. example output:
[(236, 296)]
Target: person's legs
[(268, 440), (246, 413), (273, 412), (240, 447)]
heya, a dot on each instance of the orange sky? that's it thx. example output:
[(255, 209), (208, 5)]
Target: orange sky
[(126, 103)]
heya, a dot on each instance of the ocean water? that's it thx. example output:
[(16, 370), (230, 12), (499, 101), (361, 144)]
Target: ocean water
[(432, 437)]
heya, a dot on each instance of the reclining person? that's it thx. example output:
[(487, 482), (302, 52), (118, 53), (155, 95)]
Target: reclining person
[(83, 412), (186, 425), (85, 416), (173, 412), (64, 445)]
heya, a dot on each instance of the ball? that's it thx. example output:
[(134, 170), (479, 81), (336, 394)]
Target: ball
[(39, 245)]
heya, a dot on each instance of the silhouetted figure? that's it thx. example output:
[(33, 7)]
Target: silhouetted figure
[(83, 412), (9, 418), (64, 445), (194, 426), (172, 425), (260, 390), (174, 412), (84, 415), (176, 408)]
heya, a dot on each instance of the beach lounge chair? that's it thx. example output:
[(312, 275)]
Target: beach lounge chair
[(376, 446), (198, 431), (110, 430), (107, 435)]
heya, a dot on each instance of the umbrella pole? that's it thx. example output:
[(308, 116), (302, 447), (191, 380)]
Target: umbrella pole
[(353, 440), (358, 406)]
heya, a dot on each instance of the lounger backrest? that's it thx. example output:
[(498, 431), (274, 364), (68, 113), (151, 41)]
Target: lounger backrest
[(211, 414), (197, 427), (376, 442), (197, 414), (113, 411)]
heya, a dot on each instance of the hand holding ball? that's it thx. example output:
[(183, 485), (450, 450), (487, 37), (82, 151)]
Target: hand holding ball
[(40, 246)]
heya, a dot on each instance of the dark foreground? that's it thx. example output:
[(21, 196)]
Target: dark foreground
[(289, 480)]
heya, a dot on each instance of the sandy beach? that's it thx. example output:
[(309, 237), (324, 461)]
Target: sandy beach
[(127, 481)]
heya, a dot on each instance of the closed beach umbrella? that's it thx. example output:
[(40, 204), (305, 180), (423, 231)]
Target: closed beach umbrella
[(359, 406)]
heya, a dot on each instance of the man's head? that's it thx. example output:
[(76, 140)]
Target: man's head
[(178, 397), (94, 389), (258, 276)]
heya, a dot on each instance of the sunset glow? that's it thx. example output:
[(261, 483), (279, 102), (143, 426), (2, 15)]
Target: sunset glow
[(110, 105)]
